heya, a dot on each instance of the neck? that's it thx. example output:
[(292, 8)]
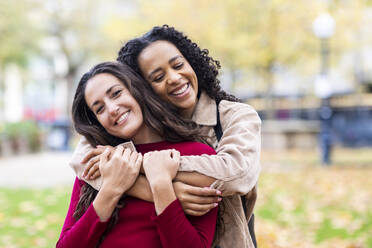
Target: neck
[(187, 113), (146, 135)]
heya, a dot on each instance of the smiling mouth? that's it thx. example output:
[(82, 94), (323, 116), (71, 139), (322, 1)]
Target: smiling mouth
[(122, 118), (181, 91)]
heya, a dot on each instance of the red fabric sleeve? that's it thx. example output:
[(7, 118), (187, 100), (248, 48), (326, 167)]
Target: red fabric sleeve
[(86, 231), (175, 230)]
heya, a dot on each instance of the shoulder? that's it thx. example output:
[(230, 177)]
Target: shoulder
[(235, 106), (193, 148), (237, 110)]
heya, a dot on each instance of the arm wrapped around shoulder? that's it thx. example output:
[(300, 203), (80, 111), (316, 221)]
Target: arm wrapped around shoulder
[(81, 150), (236, 165)]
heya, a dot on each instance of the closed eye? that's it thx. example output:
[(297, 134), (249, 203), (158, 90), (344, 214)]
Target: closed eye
[(116, 93), (178, 65), (158, 78), (99, 110)]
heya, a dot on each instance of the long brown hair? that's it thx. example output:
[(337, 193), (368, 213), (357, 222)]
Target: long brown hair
[(163, 118)]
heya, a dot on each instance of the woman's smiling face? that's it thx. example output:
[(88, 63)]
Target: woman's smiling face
[(170, 75), (114, 106)]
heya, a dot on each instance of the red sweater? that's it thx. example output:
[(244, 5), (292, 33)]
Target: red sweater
[(138, 225)]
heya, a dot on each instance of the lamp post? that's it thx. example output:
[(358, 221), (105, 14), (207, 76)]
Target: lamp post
[(323, 27)]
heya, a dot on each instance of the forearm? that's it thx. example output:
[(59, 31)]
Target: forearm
[(141, 189), (236, 164), (231, 182), (105, 202), (194, 179), (163, 194), (81, 150)]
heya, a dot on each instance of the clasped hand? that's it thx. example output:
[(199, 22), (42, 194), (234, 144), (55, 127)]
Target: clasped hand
[(120, 168), (161, 165), (195, 201)]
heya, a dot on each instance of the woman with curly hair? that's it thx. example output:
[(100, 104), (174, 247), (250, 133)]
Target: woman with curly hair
[(184, 75), (112, 105)]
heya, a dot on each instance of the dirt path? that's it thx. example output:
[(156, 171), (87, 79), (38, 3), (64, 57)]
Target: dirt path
[(36, 170)]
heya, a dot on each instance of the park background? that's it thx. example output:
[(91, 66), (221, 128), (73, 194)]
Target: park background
[(307, 81)]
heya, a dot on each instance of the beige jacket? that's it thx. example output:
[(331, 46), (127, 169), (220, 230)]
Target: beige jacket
[(236, 165)]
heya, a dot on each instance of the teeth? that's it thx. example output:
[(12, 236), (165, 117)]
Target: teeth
[(123, 117), (180, 91)]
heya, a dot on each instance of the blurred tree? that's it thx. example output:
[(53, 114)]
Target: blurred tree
[(18, 37), (75, 28), (248, 35), (243, 34)]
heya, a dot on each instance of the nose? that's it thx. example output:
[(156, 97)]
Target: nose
[(173, 77), (112, 108)]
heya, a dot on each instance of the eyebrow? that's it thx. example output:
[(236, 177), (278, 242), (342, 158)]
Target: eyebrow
[(169, 61), (107, 93)]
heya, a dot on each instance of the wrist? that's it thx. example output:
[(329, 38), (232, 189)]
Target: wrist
[(163, 194), (105, 203), (111, 191), (160, 181), (160, 186)]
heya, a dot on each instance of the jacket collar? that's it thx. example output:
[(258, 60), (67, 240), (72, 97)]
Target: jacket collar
[(205, 111)]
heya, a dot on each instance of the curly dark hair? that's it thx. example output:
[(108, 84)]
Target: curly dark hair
[(205, 67), (162, 117)]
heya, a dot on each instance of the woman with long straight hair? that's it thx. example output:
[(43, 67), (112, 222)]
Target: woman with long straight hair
[(111, 106)]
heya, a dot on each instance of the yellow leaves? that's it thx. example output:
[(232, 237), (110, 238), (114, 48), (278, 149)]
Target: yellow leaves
[(18, 222), (39, 242), (30, 207), (41, 225), (8, 241), (308, 197)]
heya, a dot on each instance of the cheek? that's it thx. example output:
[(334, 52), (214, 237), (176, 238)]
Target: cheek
[(159, 89), (101, 119)]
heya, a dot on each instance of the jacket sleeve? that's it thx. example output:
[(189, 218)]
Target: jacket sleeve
[(85, 232), (236, 165), (81, 150), (175, 230)]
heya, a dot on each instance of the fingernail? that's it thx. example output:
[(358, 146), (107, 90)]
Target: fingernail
[(218, 192), (215, 204), (219, 199)]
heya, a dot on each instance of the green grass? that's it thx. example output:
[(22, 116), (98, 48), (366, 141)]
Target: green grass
[(315, 208), (300, 205), (32, 218)]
